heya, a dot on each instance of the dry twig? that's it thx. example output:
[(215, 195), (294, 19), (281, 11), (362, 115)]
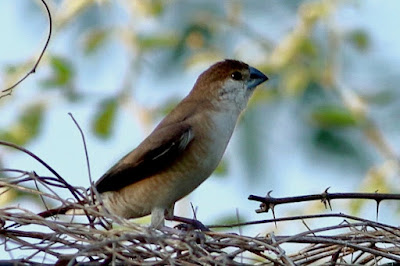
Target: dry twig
[(99, 237), (9, 90)]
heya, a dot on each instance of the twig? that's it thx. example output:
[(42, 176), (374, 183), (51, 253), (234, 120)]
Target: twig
[(62, 180), (73, 242), (84, 147), (269, 202), (8, 91), (302, 217), (282, 253), (92, 188)]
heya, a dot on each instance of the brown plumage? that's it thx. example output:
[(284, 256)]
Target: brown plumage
[(184, 149)]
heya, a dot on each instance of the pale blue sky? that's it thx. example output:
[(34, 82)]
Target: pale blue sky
[(291, 173)]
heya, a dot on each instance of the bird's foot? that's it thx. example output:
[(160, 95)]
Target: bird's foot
[(171, 230), (189, 224), (197, 236), (194, 225)]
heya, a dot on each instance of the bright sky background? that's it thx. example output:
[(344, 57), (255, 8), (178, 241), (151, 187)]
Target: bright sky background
[(60, 144)]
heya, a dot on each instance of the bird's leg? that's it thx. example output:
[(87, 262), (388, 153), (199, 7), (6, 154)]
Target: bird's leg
[(157, 218), (187, 223)]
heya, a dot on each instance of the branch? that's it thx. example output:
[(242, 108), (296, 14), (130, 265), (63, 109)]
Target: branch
[(269, 203), (8, 91), (303, 217), (34, 156)]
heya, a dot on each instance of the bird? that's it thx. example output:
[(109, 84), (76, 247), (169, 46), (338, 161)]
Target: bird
[(184, 148)]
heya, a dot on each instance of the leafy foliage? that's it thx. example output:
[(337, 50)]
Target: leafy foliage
[(333, 117), (62, 73), (27, 125), (299, 44), (104, 118)]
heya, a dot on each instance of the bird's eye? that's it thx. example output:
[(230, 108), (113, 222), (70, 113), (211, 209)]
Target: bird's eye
[(236, 75)]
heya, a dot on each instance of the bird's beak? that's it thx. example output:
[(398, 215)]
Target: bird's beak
[(256, 78)]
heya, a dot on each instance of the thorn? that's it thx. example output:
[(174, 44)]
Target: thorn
[(329, 203), (271, 205), (273, 215), (325, 199), (263, 206), (377, 208)]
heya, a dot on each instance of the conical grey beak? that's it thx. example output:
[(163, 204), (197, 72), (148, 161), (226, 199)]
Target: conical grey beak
[(256, 78)]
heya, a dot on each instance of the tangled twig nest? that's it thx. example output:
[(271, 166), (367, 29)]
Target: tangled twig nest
[(98, 237)]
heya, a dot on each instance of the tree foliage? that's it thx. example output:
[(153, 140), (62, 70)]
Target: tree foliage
[(307, 51)]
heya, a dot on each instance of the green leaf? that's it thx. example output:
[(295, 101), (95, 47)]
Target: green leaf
[(359, 39), (94, 39), (333, 116), (32, 118), (333, 142), (308, 47), (151, 8), (62, 72), (27, 127), (104, 118), (154, 42), (157, 7)]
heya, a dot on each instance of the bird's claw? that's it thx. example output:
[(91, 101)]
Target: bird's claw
[(193, 225)]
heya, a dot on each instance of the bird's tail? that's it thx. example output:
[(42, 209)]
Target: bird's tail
[(56, 211), (73, 209)]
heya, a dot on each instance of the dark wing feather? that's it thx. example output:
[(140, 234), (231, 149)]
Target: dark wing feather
[(158, 150)]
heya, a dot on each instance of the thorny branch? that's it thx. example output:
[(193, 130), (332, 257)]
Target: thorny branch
[(269, 203), (71, 240), (107, 239)]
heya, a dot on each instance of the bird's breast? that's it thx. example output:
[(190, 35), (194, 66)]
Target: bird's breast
[(212, 132), (211, 137), (214, 138)]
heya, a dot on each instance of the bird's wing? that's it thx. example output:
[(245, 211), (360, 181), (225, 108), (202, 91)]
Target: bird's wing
[(158, 150)]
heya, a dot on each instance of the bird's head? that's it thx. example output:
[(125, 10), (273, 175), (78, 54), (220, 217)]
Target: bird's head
[(228, 83)]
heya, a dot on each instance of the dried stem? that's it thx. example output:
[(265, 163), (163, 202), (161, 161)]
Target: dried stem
[(103, 238), (8, 91)]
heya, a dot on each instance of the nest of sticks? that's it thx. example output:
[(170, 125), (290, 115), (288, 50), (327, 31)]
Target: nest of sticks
[(99, 237)]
